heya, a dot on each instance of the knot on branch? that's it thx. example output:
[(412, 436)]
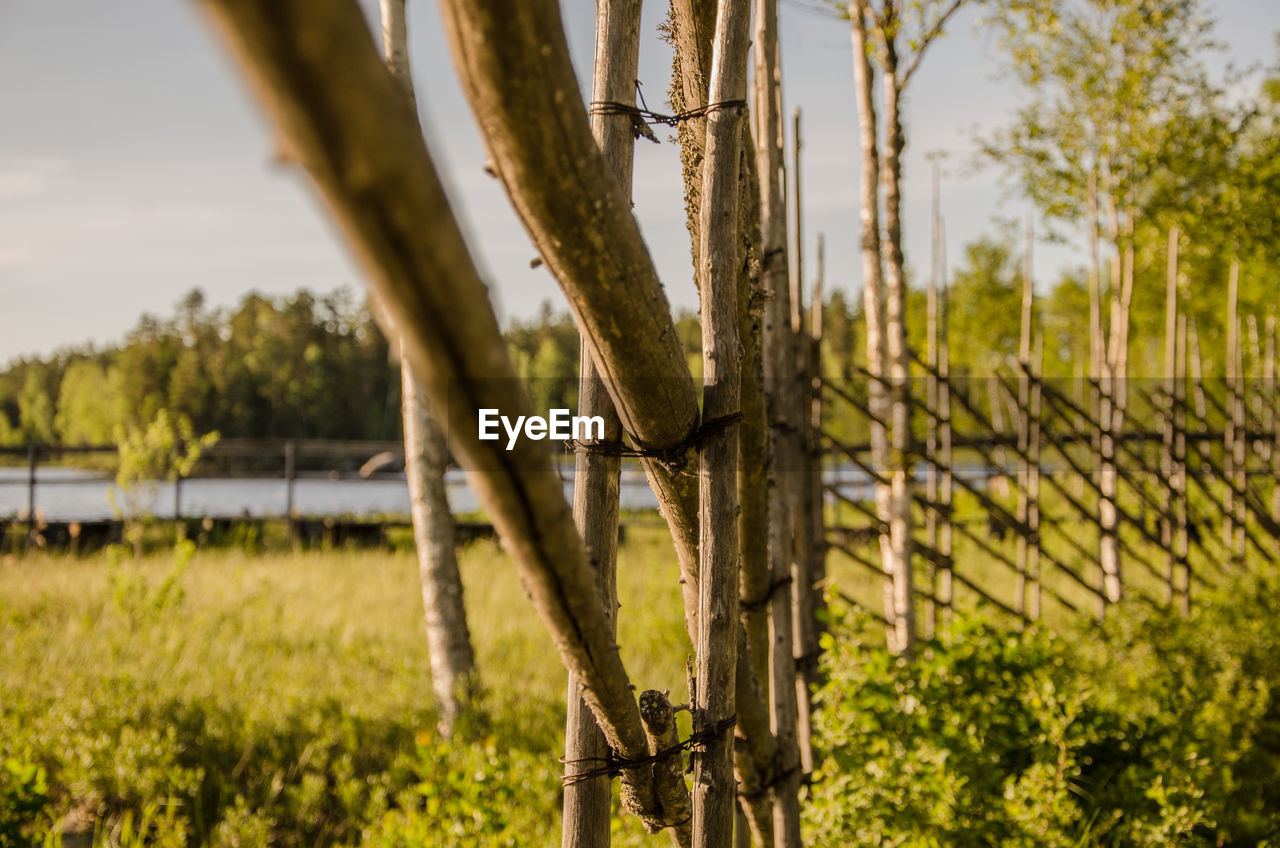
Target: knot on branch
[(672, 456), (614, 764), (757, 604)]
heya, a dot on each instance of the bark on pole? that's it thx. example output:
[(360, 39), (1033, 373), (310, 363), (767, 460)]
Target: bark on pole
[(901, 483), (691, 26), (358, 139), (1168, 530), (1028, 589), (425, 459), (873, 285), (587, 808), (513, 61), (714, 787), (779, 364)]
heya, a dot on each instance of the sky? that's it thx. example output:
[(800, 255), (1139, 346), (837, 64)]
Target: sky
[(134, 166)]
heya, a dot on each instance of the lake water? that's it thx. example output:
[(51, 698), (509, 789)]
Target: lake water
[(69, 494)]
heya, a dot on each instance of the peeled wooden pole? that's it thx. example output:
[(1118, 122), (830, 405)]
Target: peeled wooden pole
[(587, 807), (358, 139), (714, 786), (425, 459)]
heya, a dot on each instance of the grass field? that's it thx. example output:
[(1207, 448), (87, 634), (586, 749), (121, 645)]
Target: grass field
[(238, 695), (218, 698)]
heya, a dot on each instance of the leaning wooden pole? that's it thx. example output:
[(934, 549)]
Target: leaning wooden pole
[(426, 456), (587, 805), (358, 139), (714, 787)]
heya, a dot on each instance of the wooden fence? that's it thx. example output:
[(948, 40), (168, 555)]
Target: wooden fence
[(1031, 492)]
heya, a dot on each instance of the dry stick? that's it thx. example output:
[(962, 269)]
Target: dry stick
[(714, 787), (1230, 433), (587, 814), (1023, 509), (1273, 424), (426, 455), (1208, 467), (1033, 480), (1182, 537), (986, 501), (1239, 444), (1004, 515), (1166, 425), (1065, 405), (942, 585), (1245, 499), (931, 400), (807, 580), (359, 140)]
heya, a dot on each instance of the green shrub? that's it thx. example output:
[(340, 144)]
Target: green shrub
[(24, 801), (1154, 731)]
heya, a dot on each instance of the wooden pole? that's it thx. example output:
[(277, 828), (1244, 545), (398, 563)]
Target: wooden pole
[(1025, 542), (786, 437), (33, 454), (1168, 430), (290, 474), (714, 786), (787, 445), (1033, 481), (931, 399), (1234, 426), (1272, 424), (942, 589), (587, 805), (1182, 537)]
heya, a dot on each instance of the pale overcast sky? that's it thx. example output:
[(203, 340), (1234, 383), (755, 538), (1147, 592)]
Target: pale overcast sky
[(133, 165)]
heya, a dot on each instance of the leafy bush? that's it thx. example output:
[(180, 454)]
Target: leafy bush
[(24, 801), (1156, 731)]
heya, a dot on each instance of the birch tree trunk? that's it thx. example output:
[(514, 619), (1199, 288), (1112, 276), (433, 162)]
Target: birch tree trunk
[(587, 817), (425, 460), (714, 787), (901, 482), (873, 287), (360, 142)]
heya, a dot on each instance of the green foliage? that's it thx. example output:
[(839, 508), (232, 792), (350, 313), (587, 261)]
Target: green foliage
[(472, 793), (1158, 731), (88, 404), (162, 450), (24, 801), (282, 700)]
